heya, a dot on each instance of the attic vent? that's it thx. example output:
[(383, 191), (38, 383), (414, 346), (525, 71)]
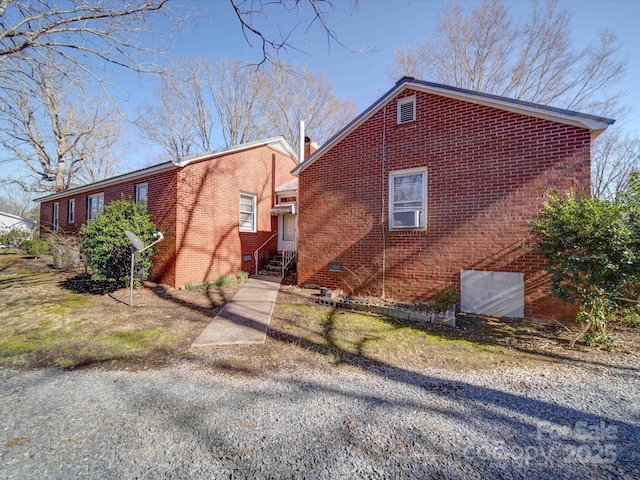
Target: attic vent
[(407, 110)]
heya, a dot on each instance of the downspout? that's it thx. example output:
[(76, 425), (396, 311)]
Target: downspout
[(382, 198)]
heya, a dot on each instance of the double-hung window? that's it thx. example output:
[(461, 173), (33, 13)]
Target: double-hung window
[(142, 190), (247, 212), (55, 222), (95, 204), (408, 199), (71, 210)]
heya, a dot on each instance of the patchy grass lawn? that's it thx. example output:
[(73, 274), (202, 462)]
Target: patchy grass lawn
[(51, 318), (476, 343), (47, 320)]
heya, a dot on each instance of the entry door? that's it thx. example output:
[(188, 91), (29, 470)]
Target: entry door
[(286, 231)]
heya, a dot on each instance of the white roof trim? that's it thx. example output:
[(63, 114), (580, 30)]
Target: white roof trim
[(18, 217), (278, 143), (530, 110), (162, 167), (596, 125)]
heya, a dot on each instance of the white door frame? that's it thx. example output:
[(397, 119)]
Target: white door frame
[(281, 242)]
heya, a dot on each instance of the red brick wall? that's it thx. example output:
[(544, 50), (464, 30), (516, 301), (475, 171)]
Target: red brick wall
[(161, 204), (485, 173), (210, 244), (197, 208)]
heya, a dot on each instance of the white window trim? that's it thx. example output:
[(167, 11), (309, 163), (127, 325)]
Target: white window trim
[(137, 192), (89, 198), (71, 210), (254, 203), (400, 173), (55, 217), (404, 101)]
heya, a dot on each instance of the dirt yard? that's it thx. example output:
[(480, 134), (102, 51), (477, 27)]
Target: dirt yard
[(51, 318)]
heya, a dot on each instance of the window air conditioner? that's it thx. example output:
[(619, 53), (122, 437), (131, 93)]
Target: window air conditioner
[(409, 219)]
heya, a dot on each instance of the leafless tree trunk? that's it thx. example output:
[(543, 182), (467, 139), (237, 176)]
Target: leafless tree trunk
[(250, 103), (615, 155), (239, 96), (46, 129), (295, 93), (485, 49), (17, 201), (180, 119)]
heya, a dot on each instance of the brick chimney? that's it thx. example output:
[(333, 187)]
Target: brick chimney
[(309, 146)]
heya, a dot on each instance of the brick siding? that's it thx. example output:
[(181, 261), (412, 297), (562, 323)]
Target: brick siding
[(197, 209), (486, 170)]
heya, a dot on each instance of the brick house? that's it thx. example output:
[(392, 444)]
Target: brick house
[(432, 187), (214, 208)]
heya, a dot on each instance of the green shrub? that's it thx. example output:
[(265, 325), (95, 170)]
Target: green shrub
[(13, 237), (442, 299), (243, 277), (592, 252), (106, 246), (35, 248), (219, 282)]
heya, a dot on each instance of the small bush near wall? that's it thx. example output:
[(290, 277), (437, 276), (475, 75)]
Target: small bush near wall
[(591, 246), (13, 237), (107, 248), (35, 248), (65, 251), (442, 299)]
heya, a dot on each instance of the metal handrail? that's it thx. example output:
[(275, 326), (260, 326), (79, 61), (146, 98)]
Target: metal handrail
[(255, 254), (288, 255)]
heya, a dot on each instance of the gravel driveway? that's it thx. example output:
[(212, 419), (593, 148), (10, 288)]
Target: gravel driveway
[(182, 422)]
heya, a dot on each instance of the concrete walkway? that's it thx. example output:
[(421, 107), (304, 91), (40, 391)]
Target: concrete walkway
[(246, 317)]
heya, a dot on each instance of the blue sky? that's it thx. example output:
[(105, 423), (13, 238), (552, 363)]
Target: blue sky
[(377, 27)]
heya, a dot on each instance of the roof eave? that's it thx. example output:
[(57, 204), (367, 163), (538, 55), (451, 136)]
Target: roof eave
[(279, 143), (596, 125), (126, 177)]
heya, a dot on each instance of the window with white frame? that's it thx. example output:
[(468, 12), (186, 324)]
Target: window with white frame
[(247, 212), (142, 190), (408, 199), (71, 210), (95, 204), (55, 221), (407, 109)]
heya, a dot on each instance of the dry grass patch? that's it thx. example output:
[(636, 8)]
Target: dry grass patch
[(50, 318), (44, 324)]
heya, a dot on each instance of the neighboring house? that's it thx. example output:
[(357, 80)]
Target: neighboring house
[(214, 208), (432, 187), (10, 222)]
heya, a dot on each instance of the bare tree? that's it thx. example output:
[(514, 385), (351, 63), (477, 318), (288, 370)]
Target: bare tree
[(296, 93), (239, 96), (250, 103), (615, 155), (98, 155), (180, 119), (73, 31), (254, 16), (486, 50), (17, 201), (45, 129)]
